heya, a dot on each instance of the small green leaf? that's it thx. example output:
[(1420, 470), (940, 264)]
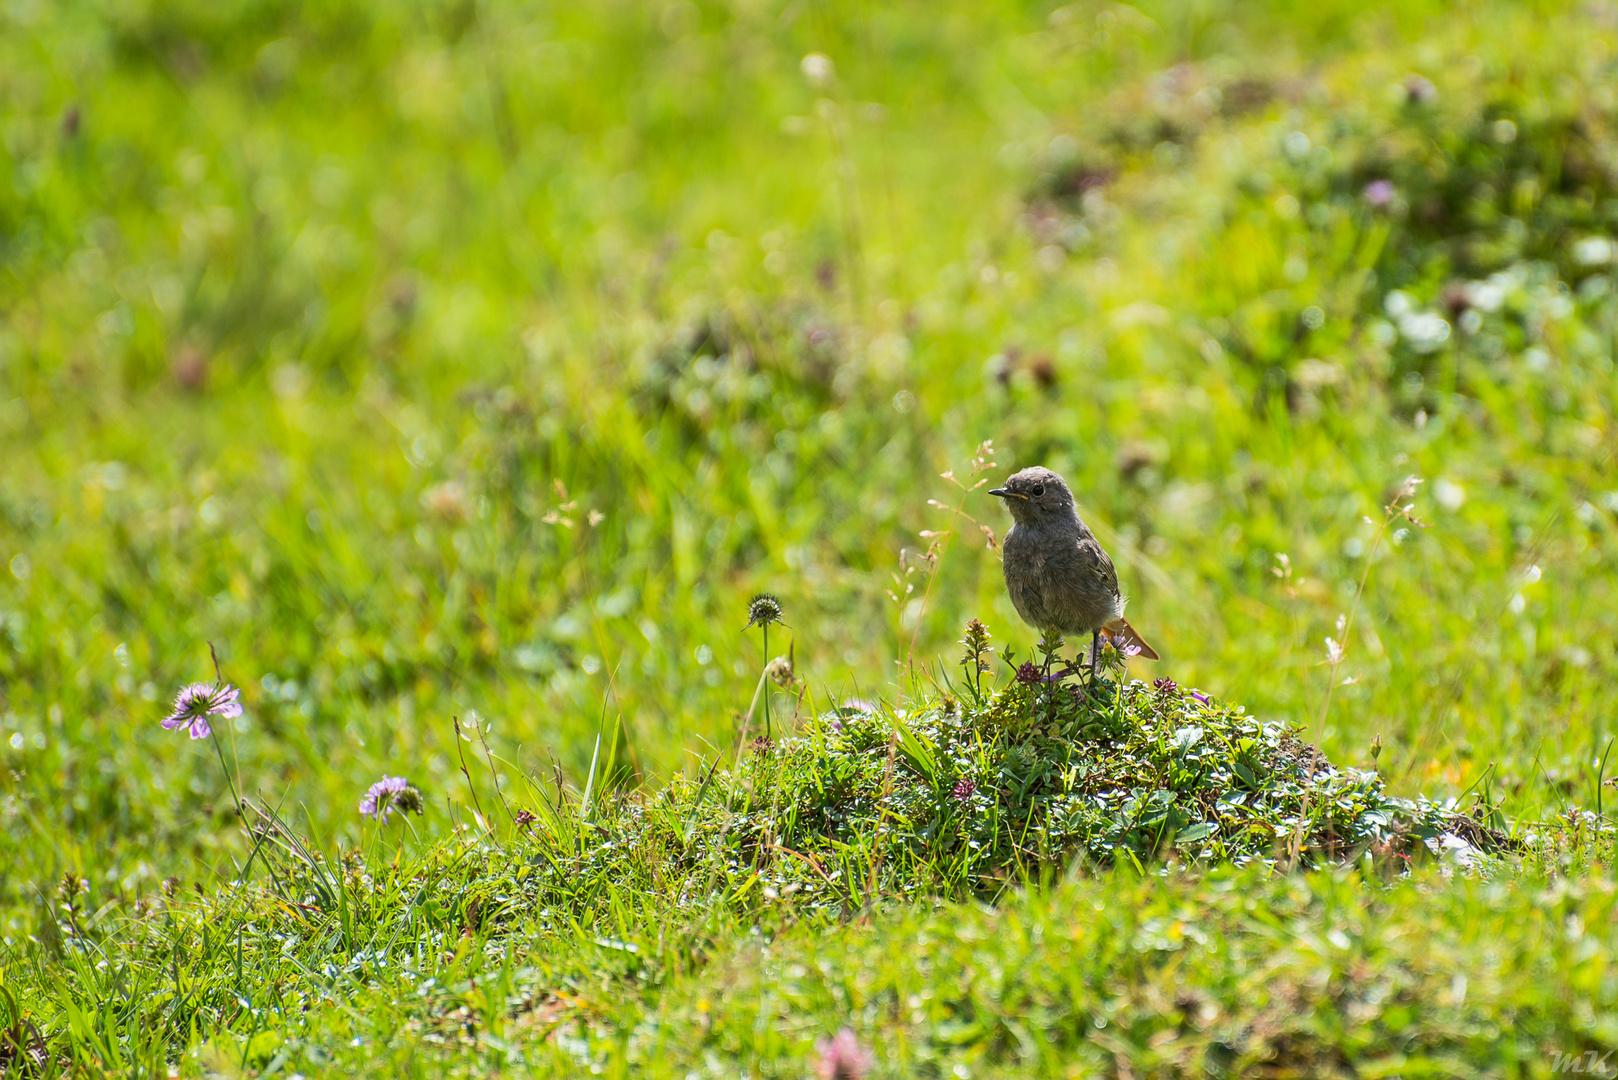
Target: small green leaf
[(917, 751)]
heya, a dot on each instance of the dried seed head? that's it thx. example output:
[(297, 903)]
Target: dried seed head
[(763, 610), (779, 671)]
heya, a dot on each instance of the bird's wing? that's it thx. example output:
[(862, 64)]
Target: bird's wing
[(1095, 562)]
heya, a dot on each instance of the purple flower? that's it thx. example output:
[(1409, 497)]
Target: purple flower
[(842, 1057), (1028, 674), (1165, 686), (1200, 696), (1379, 193), (1420, 91), (389, 794), (963, 789), (197, 702)]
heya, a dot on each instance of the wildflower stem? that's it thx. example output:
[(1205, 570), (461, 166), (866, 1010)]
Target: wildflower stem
[(747, 718), (235, 796), (488, 756), (483, 821), (241, 814), (235, 755)]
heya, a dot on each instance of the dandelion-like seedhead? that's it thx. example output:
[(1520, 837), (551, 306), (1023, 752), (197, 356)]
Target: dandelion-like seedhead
[(198, 701), (842, 1057), (763, 610), (389, 794)]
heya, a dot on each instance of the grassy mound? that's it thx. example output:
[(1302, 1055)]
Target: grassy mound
[(962, 797)]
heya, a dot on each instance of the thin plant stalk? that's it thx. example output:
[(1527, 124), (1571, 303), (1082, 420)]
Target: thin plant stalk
[(747, 718), (234, 782), (982, 461), (1337, 650), (1390, 513), (477, 808), (762, 610)]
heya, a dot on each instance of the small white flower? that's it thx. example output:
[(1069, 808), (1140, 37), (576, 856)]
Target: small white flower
[(1449, 495), (817, 68), (1593, 251)]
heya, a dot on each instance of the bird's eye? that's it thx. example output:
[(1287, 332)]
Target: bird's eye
[(1039, 489)]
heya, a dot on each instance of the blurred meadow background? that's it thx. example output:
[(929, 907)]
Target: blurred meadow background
[(480, 358)]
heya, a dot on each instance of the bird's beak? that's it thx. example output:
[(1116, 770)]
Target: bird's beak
[(1004, 494)]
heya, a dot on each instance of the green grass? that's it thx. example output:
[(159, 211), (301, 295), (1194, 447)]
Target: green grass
[(475, 362), (736, 917)]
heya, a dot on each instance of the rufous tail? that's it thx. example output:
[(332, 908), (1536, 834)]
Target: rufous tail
[(1121, 633)]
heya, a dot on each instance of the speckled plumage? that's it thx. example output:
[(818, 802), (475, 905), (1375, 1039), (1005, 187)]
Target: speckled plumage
[(1058, 576)]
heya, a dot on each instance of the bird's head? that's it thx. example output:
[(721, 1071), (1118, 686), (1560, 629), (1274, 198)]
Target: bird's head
[(1036, 494)]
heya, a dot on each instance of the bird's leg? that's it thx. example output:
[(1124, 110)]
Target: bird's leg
[(1045, 682)]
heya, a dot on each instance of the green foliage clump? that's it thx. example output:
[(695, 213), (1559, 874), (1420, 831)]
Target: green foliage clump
[(955, 800), (960, 800)]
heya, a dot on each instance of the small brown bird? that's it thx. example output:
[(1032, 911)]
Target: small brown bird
[(1058, 577)]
